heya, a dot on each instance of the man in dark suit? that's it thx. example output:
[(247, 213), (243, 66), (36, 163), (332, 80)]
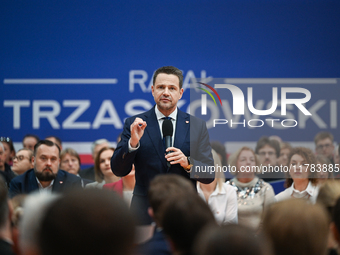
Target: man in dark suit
[(45, 176), (141, 142)]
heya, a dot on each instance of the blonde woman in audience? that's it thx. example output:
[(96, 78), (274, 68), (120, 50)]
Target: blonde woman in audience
[(327, 197), (302, 182), (102, 169), (253, 194), (323, 173), (220, 196)]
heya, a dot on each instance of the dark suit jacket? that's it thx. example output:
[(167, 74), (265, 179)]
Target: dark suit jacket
[(157, 245), (27, 183), (149, 158), (87, 173)]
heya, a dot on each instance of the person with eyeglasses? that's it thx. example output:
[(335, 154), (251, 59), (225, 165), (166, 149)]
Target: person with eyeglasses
[(5, 169), (9, 149), (324, 145), (22, 161)]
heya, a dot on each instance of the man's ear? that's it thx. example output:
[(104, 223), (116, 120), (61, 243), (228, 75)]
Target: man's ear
[(335, 232)]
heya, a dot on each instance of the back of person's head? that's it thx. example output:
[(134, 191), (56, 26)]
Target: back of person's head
[(296, 227), (263, 141), (89, 222), (164, 186), (336, 220), (328, 195), (33, 210), (183, 219), (231, 240), (4, 210)]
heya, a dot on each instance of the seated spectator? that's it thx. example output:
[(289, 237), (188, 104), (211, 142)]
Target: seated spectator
[(301, 183), (162, 188), (5, 169), (55, 140), (9, 149), (34, 208), (87, 222), (268, 152), (18, 205), (296, 227), (232, 240), (182, 219), (45, 176), (125, 186), (29, 141), (103, 170), (220, 196), (324, 145), (5, 223), (323, 172), (22, 161), (253, 194), (221, 152), (285, 150), (96, 146), (335, 226), (328, 195)]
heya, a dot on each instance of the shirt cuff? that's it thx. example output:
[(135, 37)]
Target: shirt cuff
[(132, 149)]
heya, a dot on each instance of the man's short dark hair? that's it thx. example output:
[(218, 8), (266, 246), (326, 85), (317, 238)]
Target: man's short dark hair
[(323, 135), (184, 218), (263, 141), (45, 142), (31, 135), (87, 222), (3, 202), (169, 70)]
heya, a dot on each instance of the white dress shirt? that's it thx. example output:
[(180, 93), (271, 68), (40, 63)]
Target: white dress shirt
[(310, 193)]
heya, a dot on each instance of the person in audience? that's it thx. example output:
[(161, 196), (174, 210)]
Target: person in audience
[(220, 196), (70, 162), (327, 197), (56, 140), (337, 156), (232, 240), (324, 145), (182, 219), (296, 227), (9, 149), (102, 169), (253, 194), (161, 189), (268, 152), (221, 152), (124, 187), (323, 172), (45, 176), (89, 173), (5, 223), (301, 182), (103, 225), (18, 211), (35, 206), (5, 169), (285, 149), (29, 141), (22, 161)]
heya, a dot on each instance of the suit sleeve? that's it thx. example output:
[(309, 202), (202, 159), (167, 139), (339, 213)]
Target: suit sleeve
[(14, 189), (122, 159)]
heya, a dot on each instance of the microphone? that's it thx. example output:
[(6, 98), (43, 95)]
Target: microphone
[(167, 130)]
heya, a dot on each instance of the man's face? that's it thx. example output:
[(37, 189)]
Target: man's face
[(46, 162), (29, 143), (325, 147), (267, 156), (166, 92), (70, 164), (21, 162)]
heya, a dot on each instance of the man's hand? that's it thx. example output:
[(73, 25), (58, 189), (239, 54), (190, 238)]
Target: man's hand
[(137, 131), (176, 156)]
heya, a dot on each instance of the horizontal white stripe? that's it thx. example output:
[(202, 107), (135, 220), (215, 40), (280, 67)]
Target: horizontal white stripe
[(60, 81), (281, 81)]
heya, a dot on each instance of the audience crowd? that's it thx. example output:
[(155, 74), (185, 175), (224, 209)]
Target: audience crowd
[(50, 205)]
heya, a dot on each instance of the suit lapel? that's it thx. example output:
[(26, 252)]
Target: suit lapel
[(32, 184), (154, 134), (182, 128)]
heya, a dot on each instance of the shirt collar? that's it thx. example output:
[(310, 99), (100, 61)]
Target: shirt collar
[(311, 189), (160, 115), (41, 187)]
